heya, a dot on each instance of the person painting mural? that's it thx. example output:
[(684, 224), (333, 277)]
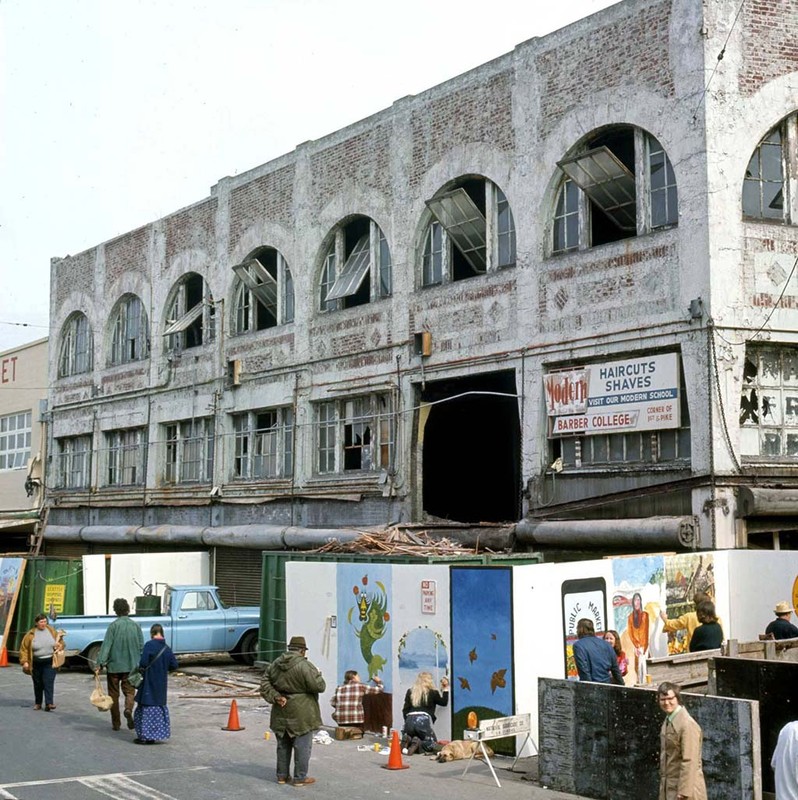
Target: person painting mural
[(637, 629), (686, 622), (681, 739)]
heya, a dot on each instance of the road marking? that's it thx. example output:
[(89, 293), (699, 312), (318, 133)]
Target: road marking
[(123, 788), (6, 795), (82, 778)]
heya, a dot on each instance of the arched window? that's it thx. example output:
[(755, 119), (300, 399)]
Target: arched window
[(190, 314), (357, 266), (264, 294), (471, 231), (75, 354), (130, 340), (618, 185), (766, 186)]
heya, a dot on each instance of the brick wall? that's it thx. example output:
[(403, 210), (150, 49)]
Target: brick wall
[(268, 197), (363, 159), (192, 229), (631, 51), (770, 42), (128, 253), (478, 113), (74, 272)]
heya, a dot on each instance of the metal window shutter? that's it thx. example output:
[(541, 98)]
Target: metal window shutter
[(237, 574)]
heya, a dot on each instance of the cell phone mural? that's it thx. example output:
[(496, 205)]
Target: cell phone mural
[(581, 598)]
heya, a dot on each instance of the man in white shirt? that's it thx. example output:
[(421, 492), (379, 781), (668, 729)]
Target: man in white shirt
[(785, 762)]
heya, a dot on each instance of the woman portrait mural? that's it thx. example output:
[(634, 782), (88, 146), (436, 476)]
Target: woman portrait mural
[(637, 626)]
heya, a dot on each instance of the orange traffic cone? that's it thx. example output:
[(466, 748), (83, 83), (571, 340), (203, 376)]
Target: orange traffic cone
[(3, 658), (232, 720), (395, 756)]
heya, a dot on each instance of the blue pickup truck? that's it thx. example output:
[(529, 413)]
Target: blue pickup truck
[(194, 620)]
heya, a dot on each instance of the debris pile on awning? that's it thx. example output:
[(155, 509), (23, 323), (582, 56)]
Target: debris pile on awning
[(402, 541)]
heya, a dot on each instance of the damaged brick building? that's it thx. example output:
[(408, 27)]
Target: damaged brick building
[(556, 291)]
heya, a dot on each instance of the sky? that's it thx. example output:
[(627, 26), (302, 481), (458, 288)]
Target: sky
[(115, 113)]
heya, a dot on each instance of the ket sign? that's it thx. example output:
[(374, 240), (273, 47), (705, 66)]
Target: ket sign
[(640, 394)]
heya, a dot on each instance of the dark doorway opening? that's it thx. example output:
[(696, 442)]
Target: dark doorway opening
[(472, 449)]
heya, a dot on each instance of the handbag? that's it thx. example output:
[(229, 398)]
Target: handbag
[(99, 699), (136, 676)]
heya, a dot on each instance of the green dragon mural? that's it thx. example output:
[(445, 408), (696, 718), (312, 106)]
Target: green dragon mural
[(373, 614)]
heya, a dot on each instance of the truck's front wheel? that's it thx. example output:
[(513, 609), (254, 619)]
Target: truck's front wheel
[(247, 651), (92, 654)]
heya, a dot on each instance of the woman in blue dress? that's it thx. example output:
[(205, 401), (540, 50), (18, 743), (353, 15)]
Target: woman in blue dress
[(151, 716)]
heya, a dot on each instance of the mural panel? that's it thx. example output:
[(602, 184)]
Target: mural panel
[(686, 574), (638, 598), (482, 647), (364, 627)]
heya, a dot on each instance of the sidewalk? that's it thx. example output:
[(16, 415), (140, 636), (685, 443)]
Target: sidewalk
[(203, 762)]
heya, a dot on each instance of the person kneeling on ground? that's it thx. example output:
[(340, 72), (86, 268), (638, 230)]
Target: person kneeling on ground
[(419, 713), (348, 699)]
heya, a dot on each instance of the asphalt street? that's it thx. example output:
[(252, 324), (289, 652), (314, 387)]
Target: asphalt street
[(72, 753)]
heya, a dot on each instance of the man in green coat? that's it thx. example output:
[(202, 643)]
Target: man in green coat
[(120, 652), (292, 685)]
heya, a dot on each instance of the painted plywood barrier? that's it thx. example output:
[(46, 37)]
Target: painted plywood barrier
[(603, 741), (774, 685), (531, 609), (390, 621), (482, 647)]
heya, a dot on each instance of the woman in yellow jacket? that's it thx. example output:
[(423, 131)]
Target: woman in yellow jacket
[(36, 660)]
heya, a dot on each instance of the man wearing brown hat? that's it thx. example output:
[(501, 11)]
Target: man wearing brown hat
[(292, 685), (781, 627)]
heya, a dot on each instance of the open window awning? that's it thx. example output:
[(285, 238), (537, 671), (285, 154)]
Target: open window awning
[(353, 272), (601, 175), (185, 322), (258, 280), (464, 223)]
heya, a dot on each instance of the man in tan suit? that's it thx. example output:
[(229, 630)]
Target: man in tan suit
[(680, 770)]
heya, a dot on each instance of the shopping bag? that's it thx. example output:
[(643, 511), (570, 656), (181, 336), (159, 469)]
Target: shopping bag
[(99, 699), (59, 656)]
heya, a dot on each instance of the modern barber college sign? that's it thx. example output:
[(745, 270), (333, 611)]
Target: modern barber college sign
[(639, 394)]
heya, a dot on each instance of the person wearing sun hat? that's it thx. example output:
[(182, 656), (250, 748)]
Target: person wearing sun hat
[(292, 685), (781, 627)]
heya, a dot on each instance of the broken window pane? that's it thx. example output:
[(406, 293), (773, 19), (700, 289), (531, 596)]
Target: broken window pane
[(464, 223), (792, 444), (607, 182), (749, 408), (353, 272)]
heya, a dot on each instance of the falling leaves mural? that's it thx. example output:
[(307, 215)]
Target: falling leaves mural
[(481, 605)]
